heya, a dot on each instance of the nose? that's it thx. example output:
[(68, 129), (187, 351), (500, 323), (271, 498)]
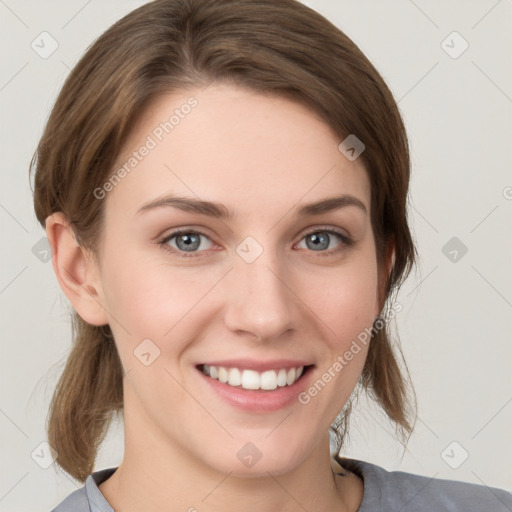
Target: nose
[(260, 298)]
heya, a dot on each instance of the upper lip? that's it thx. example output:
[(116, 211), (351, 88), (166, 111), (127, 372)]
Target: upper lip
[(259, 366)]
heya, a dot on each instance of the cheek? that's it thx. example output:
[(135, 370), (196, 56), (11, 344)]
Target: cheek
[(139, 284), (148, 298), (346, 299)]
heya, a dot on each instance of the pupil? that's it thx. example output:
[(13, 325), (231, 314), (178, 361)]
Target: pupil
[(321, 241), (188, 241)]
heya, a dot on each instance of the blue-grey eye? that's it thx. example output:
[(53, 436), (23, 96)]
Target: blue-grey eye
[(320, 240), (187, 241)]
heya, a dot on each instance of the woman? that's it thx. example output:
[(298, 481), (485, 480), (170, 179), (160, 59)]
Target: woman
[(224, 188)]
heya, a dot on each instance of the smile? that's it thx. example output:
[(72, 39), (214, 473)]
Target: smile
[(252, 379)]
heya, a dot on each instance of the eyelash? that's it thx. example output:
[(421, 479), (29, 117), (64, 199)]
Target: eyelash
[(346, 241)]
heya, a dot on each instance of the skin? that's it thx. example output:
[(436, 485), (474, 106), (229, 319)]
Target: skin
[(263, 157)]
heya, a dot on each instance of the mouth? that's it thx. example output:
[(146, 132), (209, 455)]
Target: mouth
[(250, 379)]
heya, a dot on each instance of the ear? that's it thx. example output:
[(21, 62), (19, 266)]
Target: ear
[(78, 274), (385, 271)]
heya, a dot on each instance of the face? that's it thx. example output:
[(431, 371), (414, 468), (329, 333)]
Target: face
[(253, 287)]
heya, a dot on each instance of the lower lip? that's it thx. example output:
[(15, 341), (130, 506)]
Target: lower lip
[(257, 400)]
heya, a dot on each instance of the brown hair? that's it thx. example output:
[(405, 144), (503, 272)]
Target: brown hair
[(278, 47)]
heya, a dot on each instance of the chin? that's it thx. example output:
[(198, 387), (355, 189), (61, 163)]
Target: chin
[(247, 459)]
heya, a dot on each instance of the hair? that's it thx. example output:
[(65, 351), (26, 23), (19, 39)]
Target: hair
[(277, 47)]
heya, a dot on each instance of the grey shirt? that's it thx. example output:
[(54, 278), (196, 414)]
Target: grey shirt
[(384, 491)]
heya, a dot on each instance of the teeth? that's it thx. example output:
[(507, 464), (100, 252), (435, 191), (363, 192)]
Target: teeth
[(290, 378), (213, 372), (251, 379), (281, 378), (235, 377), (223, 373), (268, 380)]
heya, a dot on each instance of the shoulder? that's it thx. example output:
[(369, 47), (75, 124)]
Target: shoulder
[(77, 501), (88, 498), (397, 490)]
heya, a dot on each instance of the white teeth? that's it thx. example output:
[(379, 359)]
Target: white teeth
[(235, 377), (223, 374), (290, 378), (268, 380), (251, 379), (281, 377), (214, 373)]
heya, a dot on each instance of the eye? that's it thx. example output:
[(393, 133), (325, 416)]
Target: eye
[(186, 242), (320, 240)]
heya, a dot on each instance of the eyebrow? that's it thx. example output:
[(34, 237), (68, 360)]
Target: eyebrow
[(220, 211)]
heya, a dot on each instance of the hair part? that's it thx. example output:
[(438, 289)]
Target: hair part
[(269, 46)]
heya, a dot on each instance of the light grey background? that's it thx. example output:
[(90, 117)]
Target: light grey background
[(456, 323)]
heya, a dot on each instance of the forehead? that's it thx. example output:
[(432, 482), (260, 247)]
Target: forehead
[(252, 152)]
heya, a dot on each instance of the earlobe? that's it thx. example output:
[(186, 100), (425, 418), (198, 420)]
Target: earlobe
[(77, 275)]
